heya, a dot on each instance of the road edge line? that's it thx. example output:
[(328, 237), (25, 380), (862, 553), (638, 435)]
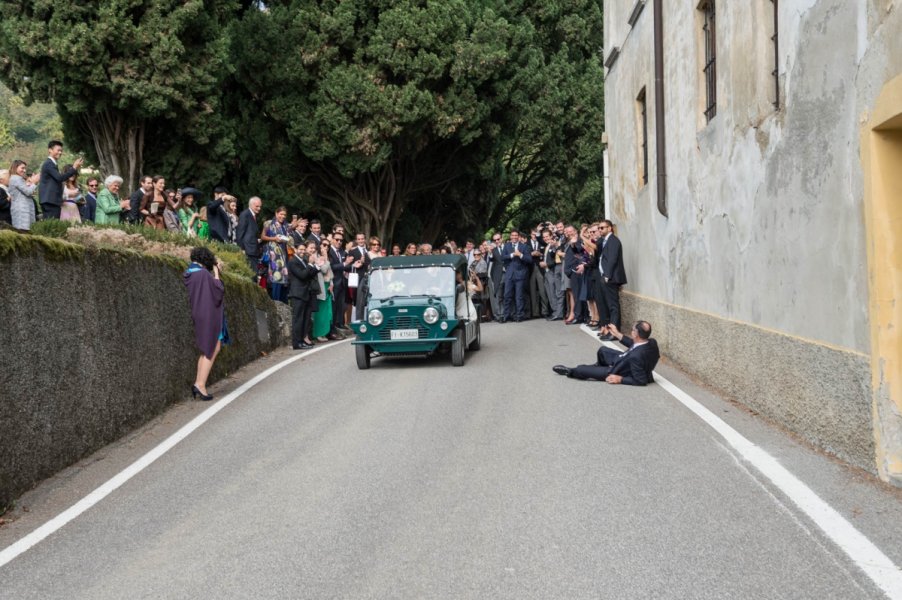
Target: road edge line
[(862, 551), (27, 542)]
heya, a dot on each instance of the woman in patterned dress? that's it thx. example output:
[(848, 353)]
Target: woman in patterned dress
[(275, 254)]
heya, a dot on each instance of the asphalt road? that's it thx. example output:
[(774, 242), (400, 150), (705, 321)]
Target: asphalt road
[(416, 479)]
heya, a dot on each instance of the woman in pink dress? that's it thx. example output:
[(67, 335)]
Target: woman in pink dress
[(72, 199)]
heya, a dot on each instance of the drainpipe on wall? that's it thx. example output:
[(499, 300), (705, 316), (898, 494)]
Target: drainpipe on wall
[(660, 145), (605, 177)]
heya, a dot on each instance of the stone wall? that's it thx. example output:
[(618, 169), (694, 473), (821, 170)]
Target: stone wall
[(95, 343), (820, 392)]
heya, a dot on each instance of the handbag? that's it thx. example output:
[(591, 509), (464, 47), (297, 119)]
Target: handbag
[(353, 279)]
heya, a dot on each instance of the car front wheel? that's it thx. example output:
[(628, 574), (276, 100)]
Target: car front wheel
[(457, 347), (363, 356)]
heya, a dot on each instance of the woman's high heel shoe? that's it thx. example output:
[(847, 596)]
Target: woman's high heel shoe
[(196, 392)]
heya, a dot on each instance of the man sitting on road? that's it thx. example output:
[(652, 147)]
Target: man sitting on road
[(633, 367)]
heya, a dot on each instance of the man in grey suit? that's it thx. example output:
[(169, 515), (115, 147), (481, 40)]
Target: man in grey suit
[(247, 236), (51, 187)]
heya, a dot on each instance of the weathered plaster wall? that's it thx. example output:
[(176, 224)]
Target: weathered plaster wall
[(97, 342), (765, 206), (766, 223), (815, 390)]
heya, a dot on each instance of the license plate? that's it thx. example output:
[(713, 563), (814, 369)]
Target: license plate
[(404, 334)]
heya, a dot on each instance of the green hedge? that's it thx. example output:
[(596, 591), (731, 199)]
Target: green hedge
[(230, 254)]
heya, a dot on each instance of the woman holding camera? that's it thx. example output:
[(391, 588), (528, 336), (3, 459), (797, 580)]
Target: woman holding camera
[(206, 295)]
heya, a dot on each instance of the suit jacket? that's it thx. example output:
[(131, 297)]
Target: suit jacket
[(218, 220), (247, 234), (361, 254), (540, 248), (496, 266), (573, 257), (303, 284), (548, 255), (134, 211), (5, 206), (339, 268), (636, 365), (51, 190), (516, 268), (89, 210), (612, 260)]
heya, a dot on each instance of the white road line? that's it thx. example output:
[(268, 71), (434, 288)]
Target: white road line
[(12, 551), (868, 557)]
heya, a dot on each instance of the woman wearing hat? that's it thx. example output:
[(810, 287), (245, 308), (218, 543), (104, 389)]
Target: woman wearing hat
[(188, 214)]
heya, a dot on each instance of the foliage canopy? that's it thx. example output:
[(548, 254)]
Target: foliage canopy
[(433, 117)]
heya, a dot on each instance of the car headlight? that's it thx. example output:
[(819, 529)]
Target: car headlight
[(375, 317), (430, 315)]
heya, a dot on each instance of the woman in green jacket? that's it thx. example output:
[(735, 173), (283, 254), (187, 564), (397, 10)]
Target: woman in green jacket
[(109, 206)]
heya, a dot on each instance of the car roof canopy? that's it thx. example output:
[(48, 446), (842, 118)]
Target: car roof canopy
[(455, 261)]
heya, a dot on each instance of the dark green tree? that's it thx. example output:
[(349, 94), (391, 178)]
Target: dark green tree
[(443, 109), (124, 74)]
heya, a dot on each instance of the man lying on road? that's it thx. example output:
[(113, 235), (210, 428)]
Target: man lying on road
[(633, 367)]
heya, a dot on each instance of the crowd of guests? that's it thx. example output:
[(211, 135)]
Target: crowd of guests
[(561, 272), (60, 195), (556, 272)]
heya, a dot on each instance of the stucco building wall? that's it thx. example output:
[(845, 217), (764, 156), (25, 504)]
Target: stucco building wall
[(766, 223)]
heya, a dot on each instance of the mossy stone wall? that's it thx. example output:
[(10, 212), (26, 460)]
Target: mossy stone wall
[(95, 343)]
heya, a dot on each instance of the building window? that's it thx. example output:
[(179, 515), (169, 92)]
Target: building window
[(710, 66), (642, 135), (776, 72)]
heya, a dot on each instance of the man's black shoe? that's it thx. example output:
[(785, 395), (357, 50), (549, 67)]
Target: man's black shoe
[(606, 337), (561, 370), (556, 318), (302, 347)]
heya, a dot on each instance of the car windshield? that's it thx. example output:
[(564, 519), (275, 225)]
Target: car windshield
[(411, 282)]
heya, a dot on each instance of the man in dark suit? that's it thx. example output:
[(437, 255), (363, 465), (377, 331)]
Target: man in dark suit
[(316, 233), (145, 186), (303, 292), (538, 298), (51, 187), (217, 217), (360, 265), (612, 276), (247, 236), (517, 260), (553, 283), (633, 367), (340, 263), (496, 276), (89, 210)]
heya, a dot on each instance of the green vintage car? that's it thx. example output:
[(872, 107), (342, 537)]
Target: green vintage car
[(416, 306)]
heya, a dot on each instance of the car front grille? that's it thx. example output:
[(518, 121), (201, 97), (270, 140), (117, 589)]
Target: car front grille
[(405, 322)]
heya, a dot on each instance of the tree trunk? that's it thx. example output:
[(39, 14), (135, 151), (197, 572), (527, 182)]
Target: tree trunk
[(119, 145), (368, 203)]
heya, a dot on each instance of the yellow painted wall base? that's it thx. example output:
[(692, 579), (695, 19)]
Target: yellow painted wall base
[(881, 156)]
